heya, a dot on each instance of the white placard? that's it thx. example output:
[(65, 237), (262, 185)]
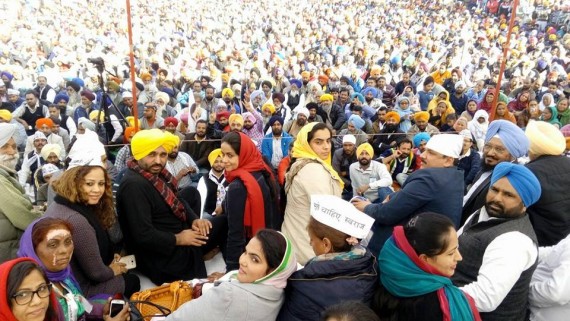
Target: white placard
[(341, 215)]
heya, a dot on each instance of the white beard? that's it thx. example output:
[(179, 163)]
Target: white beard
[(9, 161)]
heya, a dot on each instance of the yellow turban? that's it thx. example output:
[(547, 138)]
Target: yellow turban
[(214, 155), (305, 74), (393, 115), (50, 148), (422, 115), (269, 106), (93, 116), (302, 149), (235, 118), (326, 97), (228, 91), (365, 147), (130, 120), (545, 138), (146, 141), (6, 115)]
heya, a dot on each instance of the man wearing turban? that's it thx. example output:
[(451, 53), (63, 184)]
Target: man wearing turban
[(214, 183), (354, 127), (16, 210), (549, 216), (294, 126), (161, 224), (275, 146), (45, 126), (369, 178), (389, 135), (504, 142), (422, 125), (499, 246)]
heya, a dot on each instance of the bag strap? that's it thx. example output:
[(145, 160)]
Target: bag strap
[(165, 311)]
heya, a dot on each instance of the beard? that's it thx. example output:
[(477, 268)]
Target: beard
[(301, 121), (248, 127), (201, 134), (496, 209), (173, 155), (278, 132), (293, 93), (484, 166), (305, 83), (9, 161), (391, 127), (364, 161)]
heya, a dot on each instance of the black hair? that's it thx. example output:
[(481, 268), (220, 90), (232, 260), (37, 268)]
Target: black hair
[(267, 83), (317, 127), (428, 80), (17, 275), (210, 87), (344, 89), (428, 232), (383, 108), (312, 105), (234, 140), (349, 311), (274, 247), (201, 121), (33, 92), (405, 140)]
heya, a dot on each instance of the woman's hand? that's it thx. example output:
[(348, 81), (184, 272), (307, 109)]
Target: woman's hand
[(118, 267), (202, 226), (124, 315)]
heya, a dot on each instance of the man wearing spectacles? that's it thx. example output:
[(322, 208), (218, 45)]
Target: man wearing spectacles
[(504, 142)]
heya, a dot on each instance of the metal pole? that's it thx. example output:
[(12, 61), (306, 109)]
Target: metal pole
[(504, 61), (132, 66)]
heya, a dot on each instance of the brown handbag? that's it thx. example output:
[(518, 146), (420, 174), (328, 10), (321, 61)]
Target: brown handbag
[(170, 296)]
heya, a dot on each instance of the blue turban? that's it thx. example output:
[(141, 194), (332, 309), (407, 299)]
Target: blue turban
[(419, 137), (372, 90), (357, 121), (258, 93), (61, 96), (522, 179), (359, 96), (276, 118), (79, 81), (296, 82), (511, 135), (8, 75)]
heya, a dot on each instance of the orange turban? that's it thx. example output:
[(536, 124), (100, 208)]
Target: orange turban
[(393, 115), (44, 121)]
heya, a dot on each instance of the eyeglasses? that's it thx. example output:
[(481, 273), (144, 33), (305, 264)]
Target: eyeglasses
[(25, 297), (498, 149)]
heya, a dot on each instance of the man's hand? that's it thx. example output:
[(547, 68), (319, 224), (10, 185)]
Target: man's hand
[(212, 118), (397, 153), (362, 189), (360, 204), (202, 226), (190, 238), (219, 210)]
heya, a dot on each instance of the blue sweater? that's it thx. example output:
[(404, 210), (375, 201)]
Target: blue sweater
[(267, 145), (438, 190)]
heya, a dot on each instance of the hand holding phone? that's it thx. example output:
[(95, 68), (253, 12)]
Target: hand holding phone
[(129, 261), (116, 307)]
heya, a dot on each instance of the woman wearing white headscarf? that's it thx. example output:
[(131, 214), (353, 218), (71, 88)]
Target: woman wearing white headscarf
[(478, 127)]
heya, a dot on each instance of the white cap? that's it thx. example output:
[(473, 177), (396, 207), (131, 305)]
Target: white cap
[(127, 94), (13, 92), (466, 133), (446, 144), (349, 139), (341, 215)]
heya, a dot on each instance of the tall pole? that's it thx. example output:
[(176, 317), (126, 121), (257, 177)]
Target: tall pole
[(504, 61), (132, 65)]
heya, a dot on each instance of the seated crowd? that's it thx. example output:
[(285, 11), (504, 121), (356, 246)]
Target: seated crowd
[(452, 196)]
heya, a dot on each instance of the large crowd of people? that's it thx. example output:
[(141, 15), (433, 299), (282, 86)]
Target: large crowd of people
[(239, 113)]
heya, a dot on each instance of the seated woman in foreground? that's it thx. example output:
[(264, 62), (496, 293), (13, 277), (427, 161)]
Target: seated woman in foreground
[(416, 264), (255, 291)]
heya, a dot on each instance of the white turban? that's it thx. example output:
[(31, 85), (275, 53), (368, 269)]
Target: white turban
[(446, 144), (86, 151), (50, 148), (6, 132), (545, 138)]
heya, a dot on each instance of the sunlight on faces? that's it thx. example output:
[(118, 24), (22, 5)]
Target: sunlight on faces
[(252, 263), (229, 157), (36, 309), (9, 154)]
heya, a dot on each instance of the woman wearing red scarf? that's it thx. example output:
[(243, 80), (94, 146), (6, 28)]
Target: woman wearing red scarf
[(251, 201), (18, 278)]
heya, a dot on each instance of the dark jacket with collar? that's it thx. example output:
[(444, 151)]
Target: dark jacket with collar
[(470, 166), (321, 284)]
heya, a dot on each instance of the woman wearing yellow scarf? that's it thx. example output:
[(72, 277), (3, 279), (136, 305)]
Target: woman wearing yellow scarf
[(310, 173)]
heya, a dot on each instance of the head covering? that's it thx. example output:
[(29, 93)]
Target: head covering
[(257, 93), (326, 97), (170, 121), (303, 111), (49, 169), (268, 106), (162, 96), (296, 82), (44, 121), (86, 123), (349, 139), (460, 83), (50, 148), (419, 137), (403, 274), (73, 85), (250, 160), (544, 138), (421, 116), (8, 75), (127, 94), (61, 96), (5, 269), (111, 85), (368, 90), (96, 113), (214, 155), (511, 135), (365, 147), (358, 96), (302, 149), (305, 74), (278, 277), (522, 180), (235, 118), (276, 118), (228, 91), (249, 116), (11, 91), (146, 76), (466, 133), (86, 151), (393, 115), (446, 144), (323, 78), (87, 94), (222, 114), (6, 115), (146, 141), (357, 121), (278, 96), (38, 135), (6, 132)]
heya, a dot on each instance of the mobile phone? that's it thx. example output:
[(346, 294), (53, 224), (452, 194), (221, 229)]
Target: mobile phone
[(359, 198), (116, 307), (130, 261)]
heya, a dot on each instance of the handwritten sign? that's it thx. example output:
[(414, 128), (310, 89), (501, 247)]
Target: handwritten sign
[(341, 215)]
